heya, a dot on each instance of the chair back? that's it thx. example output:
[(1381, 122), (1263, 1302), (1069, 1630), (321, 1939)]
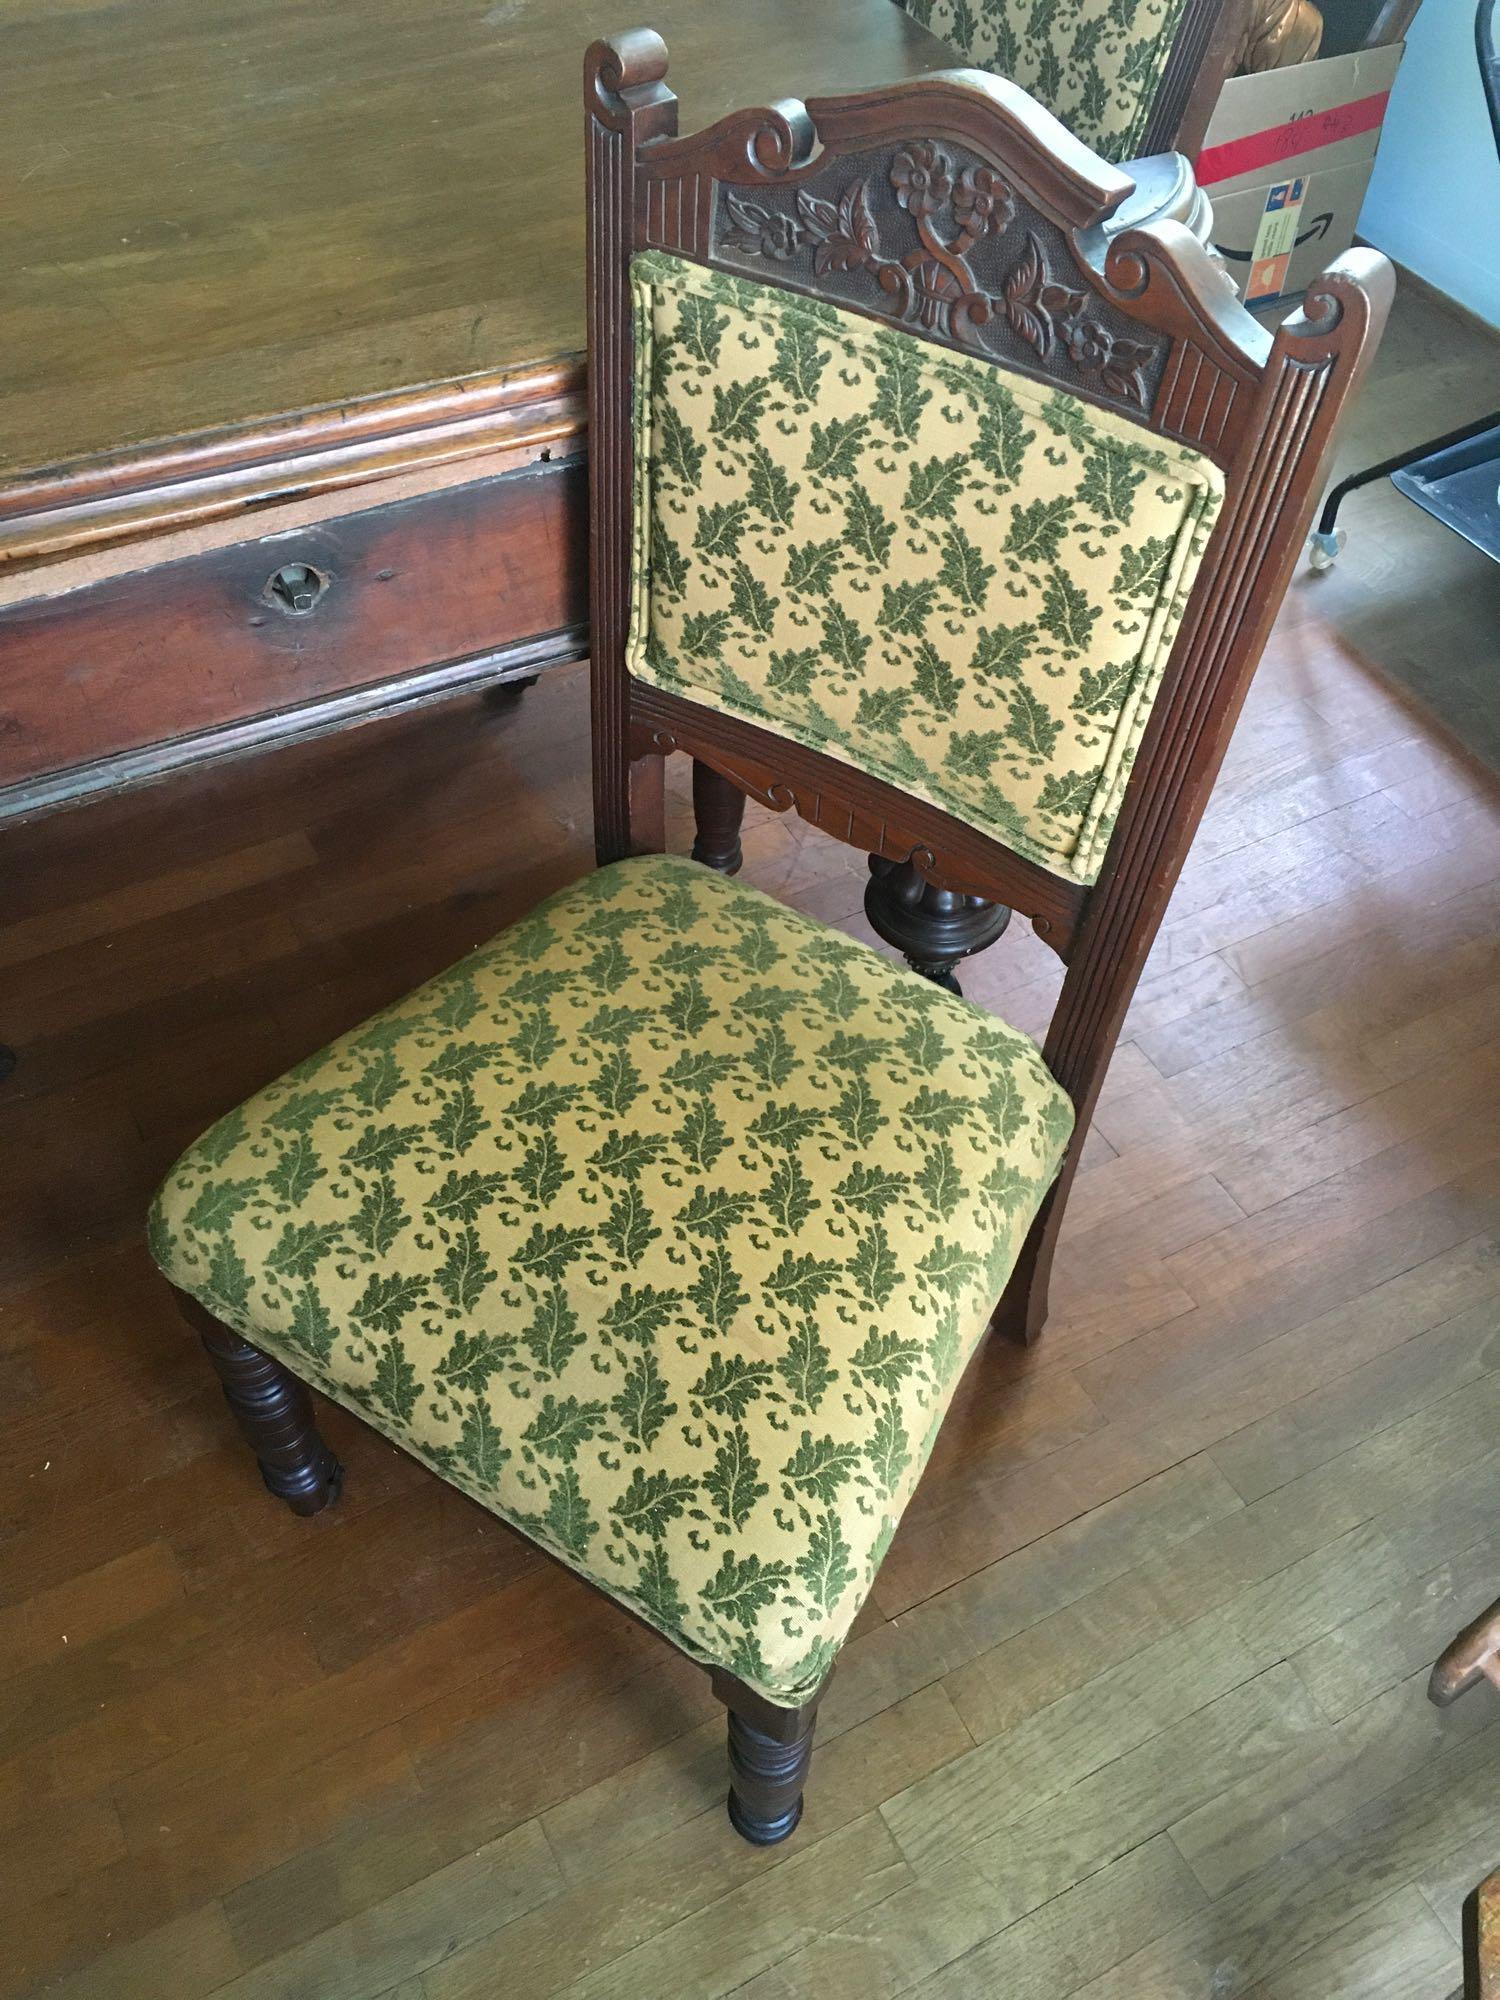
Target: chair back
[(1128, 77), (934, 500), (914, 558)]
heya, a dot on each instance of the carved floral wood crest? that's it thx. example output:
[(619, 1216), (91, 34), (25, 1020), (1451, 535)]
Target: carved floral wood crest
[(934, 285)]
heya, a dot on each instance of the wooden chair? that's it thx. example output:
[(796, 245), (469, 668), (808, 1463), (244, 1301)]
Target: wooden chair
[(665, 1225), (1128, 80)]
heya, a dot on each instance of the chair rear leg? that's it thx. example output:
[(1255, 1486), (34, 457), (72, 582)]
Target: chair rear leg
[(719, 810), (1022, 1311), (274, 1411)]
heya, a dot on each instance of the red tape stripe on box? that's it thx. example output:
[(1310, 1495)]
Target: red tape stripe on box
[(1284, 142)]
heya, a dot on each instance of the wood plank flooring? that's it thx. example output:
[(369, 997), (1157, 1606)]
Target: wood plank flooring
[(1137, 1709)]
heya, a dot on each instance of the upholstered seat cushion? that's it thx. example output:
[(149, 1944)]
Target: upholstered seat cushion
[(663, 1225)]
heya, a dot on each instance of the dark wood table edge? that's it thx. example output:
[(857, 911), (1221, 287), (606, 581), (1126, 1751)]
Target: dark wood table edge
[(374, 702), (136, 499), (144, 490)]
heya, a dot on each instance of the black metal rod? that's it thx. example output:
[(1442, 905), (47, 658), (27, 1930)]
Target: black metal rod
[(1489, 77), (1398, 464)]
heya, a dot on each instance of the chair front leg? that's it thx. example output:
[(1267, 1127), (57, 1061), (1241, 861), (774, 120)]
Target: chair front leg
[(274, 1412), (770, 1750)]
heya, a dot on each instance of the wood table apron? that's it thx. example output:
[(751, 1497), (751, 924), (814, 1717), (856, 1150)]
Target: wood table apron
[(291, 330)]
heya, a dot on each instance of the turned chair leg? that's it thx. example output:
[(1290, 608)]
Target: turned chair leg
[(275, 1414), (719, 810), (770, 1750), (933, 927)]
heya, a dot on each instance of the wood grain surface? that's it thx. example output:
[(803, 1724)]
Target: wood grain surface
[(218, 211), (205, 642)]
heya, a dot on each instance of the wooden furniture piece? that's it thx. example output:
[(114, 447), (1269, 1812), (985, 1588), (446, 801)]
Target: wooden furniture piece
[(1481, 1919), (1128, 81), (1467, 1660), (292, 431), (760, 1161), (292, 416)]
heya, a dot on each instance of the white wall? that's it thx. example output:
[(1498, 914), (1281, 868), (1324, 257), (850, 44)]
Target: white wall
[(1434, 201)]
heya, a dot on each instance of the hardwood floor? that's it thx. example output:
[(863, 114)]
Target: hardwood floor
[(1137, 1709)]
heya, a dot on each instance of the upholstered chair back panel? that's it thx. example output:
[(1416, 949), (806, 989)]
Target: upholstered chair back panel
[(929, 566), (1095, 64)]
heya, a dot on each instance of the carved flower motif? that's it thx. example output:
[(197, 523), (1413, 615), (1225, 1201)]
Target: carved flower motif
[(921, 177), (982, 201), (1088, 346), (756, 231), (780, 235)]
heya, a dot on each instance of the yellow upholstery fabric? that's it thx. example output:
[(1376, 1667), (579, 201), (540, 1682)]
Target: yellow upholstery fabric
[(916, 561), (1095, 64), (663, 1225)]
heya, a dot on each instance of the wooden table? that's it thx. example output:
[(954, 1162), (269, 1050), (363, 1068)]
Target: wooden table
[(290, 373)]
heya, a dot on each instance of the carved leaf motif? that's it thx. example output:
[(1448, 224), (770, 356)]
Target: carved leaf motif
[(1123, 373), (756, 231), (855, 219), (820, 217), (1023, 298), (851, 243)]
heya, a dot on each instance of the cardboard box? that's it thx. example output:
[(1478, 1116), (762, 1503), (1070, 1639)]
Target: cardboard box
[(1286, 161)]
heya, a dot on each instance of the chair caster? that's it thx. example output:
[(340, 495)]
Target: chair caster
[(1323, 550)]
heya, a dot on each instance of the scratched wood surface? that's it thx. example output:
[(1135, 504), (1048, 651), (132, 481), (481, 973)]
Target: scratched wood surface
[(309, 200), (1137, 1710)]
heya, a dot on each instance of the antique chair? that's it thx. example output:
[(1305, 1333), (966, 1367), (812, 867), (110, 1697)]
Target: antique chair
[(665, 1224), (1128, 77)]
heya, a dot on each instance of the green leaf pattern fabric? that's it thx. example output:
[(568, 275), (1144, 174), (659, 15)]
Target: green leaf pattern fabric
[(1094, 64), (663, 1225), (939, 571)]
